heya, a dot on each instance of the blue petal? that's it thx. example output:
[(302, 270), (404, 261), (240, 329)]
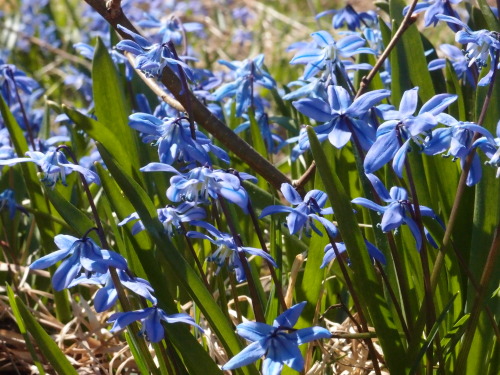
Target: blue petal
[(105, 298), (366, 101), (408, 103), (289, 317), (438, 103), (274, 210), (415, 231), (68, 270), (379, 188), (250, 354), (368, 204), (123, 319), (393, 217), (49, 259), (399, 159), (306, 335), (254, 331), (290, 194), (314, 108), (383, 150), (271, 367)]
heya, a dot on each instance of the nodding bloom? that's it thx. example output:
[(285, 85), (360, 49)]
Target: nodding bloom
[(151, 318), (375, 254), (308, 209), (174, 141), (106, 297), (399, 210), (83, 253), (173, 29), (458, 61), (8, 201), (12, 78), (491, 147), (480, 43), (279, 343), (202, 183), (457, 138), (171, 217), (394, 135), (247, 74), (343, 116), (54, 166), (328, 52), (151, 58), (228, 249), (349, 17), (434, 8)]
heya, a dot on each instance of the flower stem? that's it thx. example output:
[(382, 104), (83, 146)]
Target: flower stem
[(256, 302)]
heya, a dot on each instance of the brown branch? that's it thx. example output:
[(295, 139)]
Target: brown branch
[(201, 113)]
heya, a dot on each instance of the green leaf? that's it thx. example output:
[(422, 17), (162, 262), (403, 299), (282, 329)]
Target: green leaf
[(22, 329), (365, 280), (488, 14), (46, 343), (431, 336)]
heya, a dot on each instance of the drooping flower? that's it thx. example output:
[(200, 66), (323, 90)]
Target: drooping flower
[(433, 8), (394, 135), (399, 210), (83, 253), (202, 183), (374, 253), (480, 43), (151, 319), (151, 58), (171, 217), (342, 116), (247, 74), (301, 218), (279, 343), (348, 17), (491, 147), (457, 138), (328, 52), (106, 297), (227, 249), (458, 61), (54, 165), (174, 141)]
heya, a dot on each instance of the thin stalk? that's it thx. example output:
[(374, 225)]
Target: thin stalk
[(357, 304), (477, 305), (195, 256), (256, 302), (274, 276), (29, 129), (234, 292)]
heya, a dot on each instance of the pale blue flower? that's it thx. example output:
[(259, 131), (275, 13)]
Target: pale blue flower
[(151, 319), (279, 343), (227, 249), (301, 218), (83, 253)]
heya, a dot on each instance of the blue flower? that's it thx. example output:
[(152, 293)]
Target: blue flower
[(227, 249), (402, 127), (202, 183), (8, 201), (106, 297), (83, 253), (171, 217), (12, 78), (343, 116), (374, 253), (174, 141), (151, 318), (247, 74), (151, 58), (279, 343), (273, 141), (54, 165), (172, 29), (458, 61), (479, 43), (433, 8), (301, 217), (399, 210), (457, 139), (328, 52), (349, 17), (491, 147)]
